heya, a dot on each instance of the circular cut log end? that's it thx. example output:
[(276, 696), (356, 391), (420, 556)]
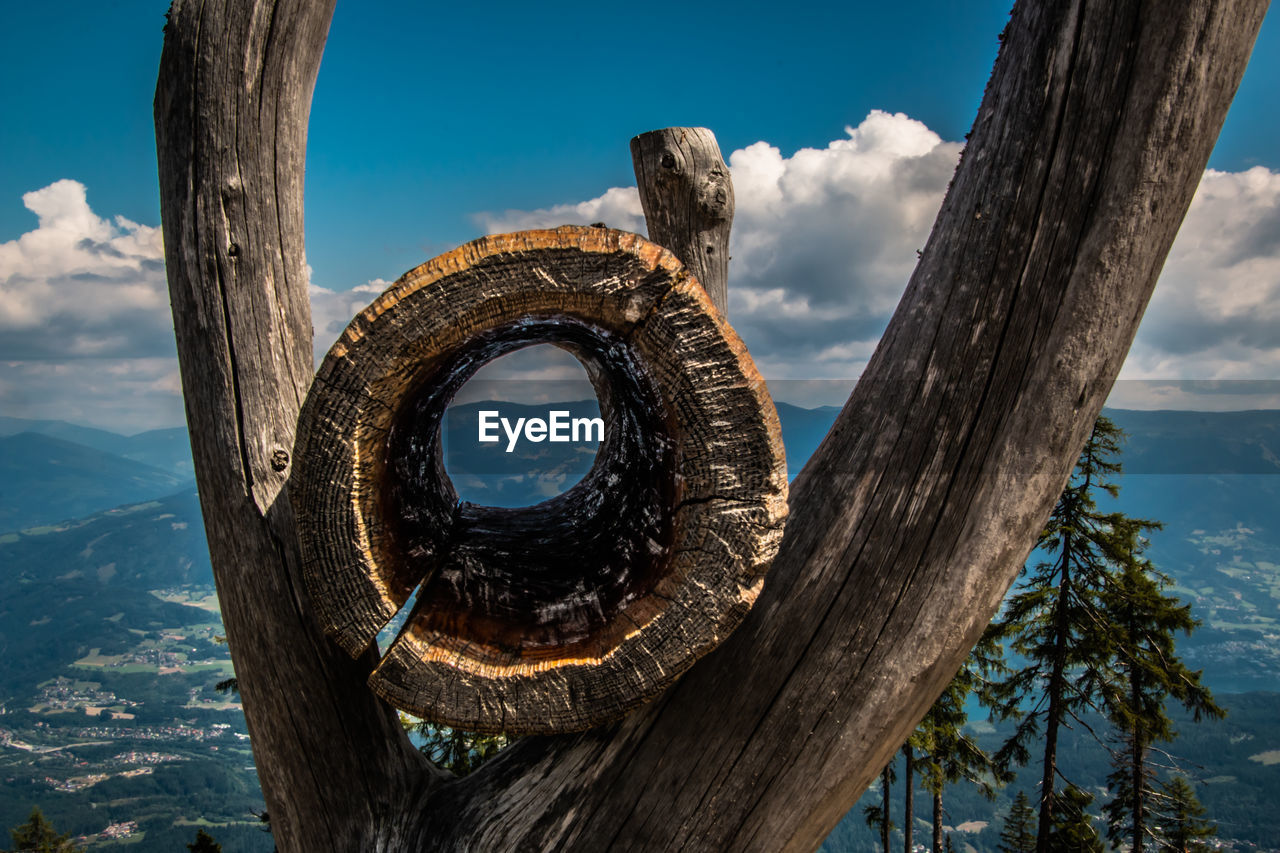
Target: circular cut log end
[(562, 615)]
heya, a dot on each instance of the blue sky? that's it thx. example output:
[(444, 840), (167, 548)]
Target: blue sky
[(430, 128)]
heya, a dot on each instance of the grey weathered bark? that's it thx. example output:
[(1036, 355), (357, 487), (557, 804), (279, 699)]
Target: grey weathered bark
[(687, 198), (231, 119), (909, 522)]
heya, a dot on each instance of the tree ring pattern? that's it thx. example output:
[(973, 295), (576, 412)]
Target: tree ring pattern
[(568, 613)]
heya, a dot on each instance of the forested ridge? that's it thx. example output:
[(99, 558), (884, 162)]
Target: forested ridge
[(93, 607)]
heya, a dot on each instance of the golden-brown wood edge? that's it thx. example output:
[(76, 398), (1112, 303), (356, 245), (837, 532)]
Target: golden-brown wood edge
[(728, 522)]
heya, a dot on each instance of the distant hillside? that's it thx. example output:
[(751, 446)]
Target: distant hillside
[(1221, 546), (1235, 764), (802, 432), (158, 543), (1168, 442), (81, 590), (44, 479), (167, 449), (86, 584), (487, 474)]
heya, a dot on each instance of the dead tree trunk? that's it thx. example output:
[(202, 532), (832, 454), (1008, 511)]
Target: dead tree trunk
[(231, 121), (908, 524), (937, 819)]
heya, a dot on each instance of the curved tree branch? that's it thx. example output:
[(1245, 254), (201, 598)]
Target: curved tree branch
[(908, 524), (915, 514), (231, 121)]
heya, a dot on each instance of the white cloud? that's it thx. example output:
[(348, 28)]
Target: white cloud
[(332, 310), (1209, 395), (542, 373), (1216, 311), (82, 286), (125, 395), (824, 241), (618, 208), (85, 329)]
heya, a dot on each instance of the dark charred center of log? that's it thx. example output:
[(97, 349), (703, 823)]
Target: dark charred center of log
[(547, 578), (558, 616)]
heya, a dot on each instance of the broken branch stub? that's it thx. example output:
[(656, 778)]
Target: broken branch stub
[(562, 615), (687, 196)]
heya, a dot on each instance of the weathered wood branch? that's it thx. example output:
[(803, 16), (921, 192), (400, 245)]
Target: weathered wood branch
[(915, 514), (907, 525), (687, 196), (231, 110)]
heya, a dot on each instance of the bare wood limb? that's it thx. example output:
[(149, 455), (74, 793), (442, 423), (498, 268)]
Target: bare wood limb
[(231, 118), (687, 196), (915, 514)]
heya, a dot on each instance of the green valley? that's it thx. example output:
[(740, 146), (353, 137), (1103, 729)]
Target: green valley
[(112, 644)]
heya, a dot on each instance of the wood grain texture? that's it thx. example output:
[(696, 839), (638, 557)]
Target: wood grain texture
[(231, 112), (687, 196), (566, 614), (907, 525)]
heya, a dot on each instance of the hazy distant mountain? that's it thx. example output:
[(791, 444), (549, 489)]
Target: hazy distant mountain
[(98, 439), (167, 449), (488, 474), (69, 588), (44, 479), (802, 432), (86, 584), (1168, 442), (1221, 540)]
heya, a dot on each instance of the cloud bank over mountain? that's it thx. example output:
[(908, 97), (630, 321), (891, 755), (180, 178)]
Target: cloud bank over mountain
[(80, 286), (824, 241), (1216, 311), (85, 332)]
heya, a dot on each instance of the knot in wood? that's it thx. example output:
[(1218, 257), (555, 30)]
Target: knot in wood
[(562, 615)]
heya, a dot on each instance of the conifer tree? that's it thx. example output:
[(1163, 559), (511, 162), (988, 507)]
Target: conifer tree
[(460, 752), (204, 843), (1182, 819), (1019, 832), (908, 785), (878, 817), (1056, 624), (1071, 828), (1144, 621), (37, 835), (945, 753)]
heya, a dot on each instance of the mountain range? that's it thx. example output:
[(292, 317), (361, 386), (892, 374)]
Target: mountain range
[(105, 581)]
